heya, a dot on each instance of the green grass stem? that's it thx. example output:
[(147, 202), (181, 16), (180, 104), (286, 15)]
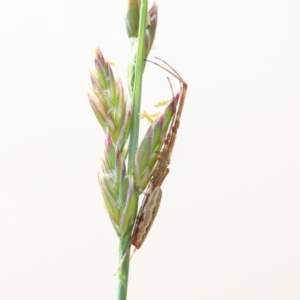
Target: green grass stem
[(133, 143)]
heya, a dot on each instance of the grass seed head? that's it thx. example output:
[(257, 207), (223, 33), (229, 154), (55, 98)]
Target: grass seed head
[(114, 184), (151, 145), (108, 101)]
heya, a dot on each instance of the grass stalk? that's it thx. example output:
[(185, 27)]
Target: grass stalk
[(133, 143), (137, 91)]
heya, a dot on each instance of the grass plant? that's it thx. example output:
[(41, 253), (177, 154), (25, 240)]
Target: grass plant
[(125, 168)]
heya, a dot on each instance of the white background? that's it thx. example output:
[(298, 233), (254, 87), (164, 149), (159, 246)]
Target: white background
[(228, 227)]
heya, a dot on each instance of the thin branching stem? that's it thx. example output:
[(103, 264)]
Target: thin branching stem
[(133, 144)]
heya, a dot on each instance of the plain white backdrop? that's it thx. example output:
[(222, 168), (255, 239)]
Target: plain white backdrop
[(228, 227)]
